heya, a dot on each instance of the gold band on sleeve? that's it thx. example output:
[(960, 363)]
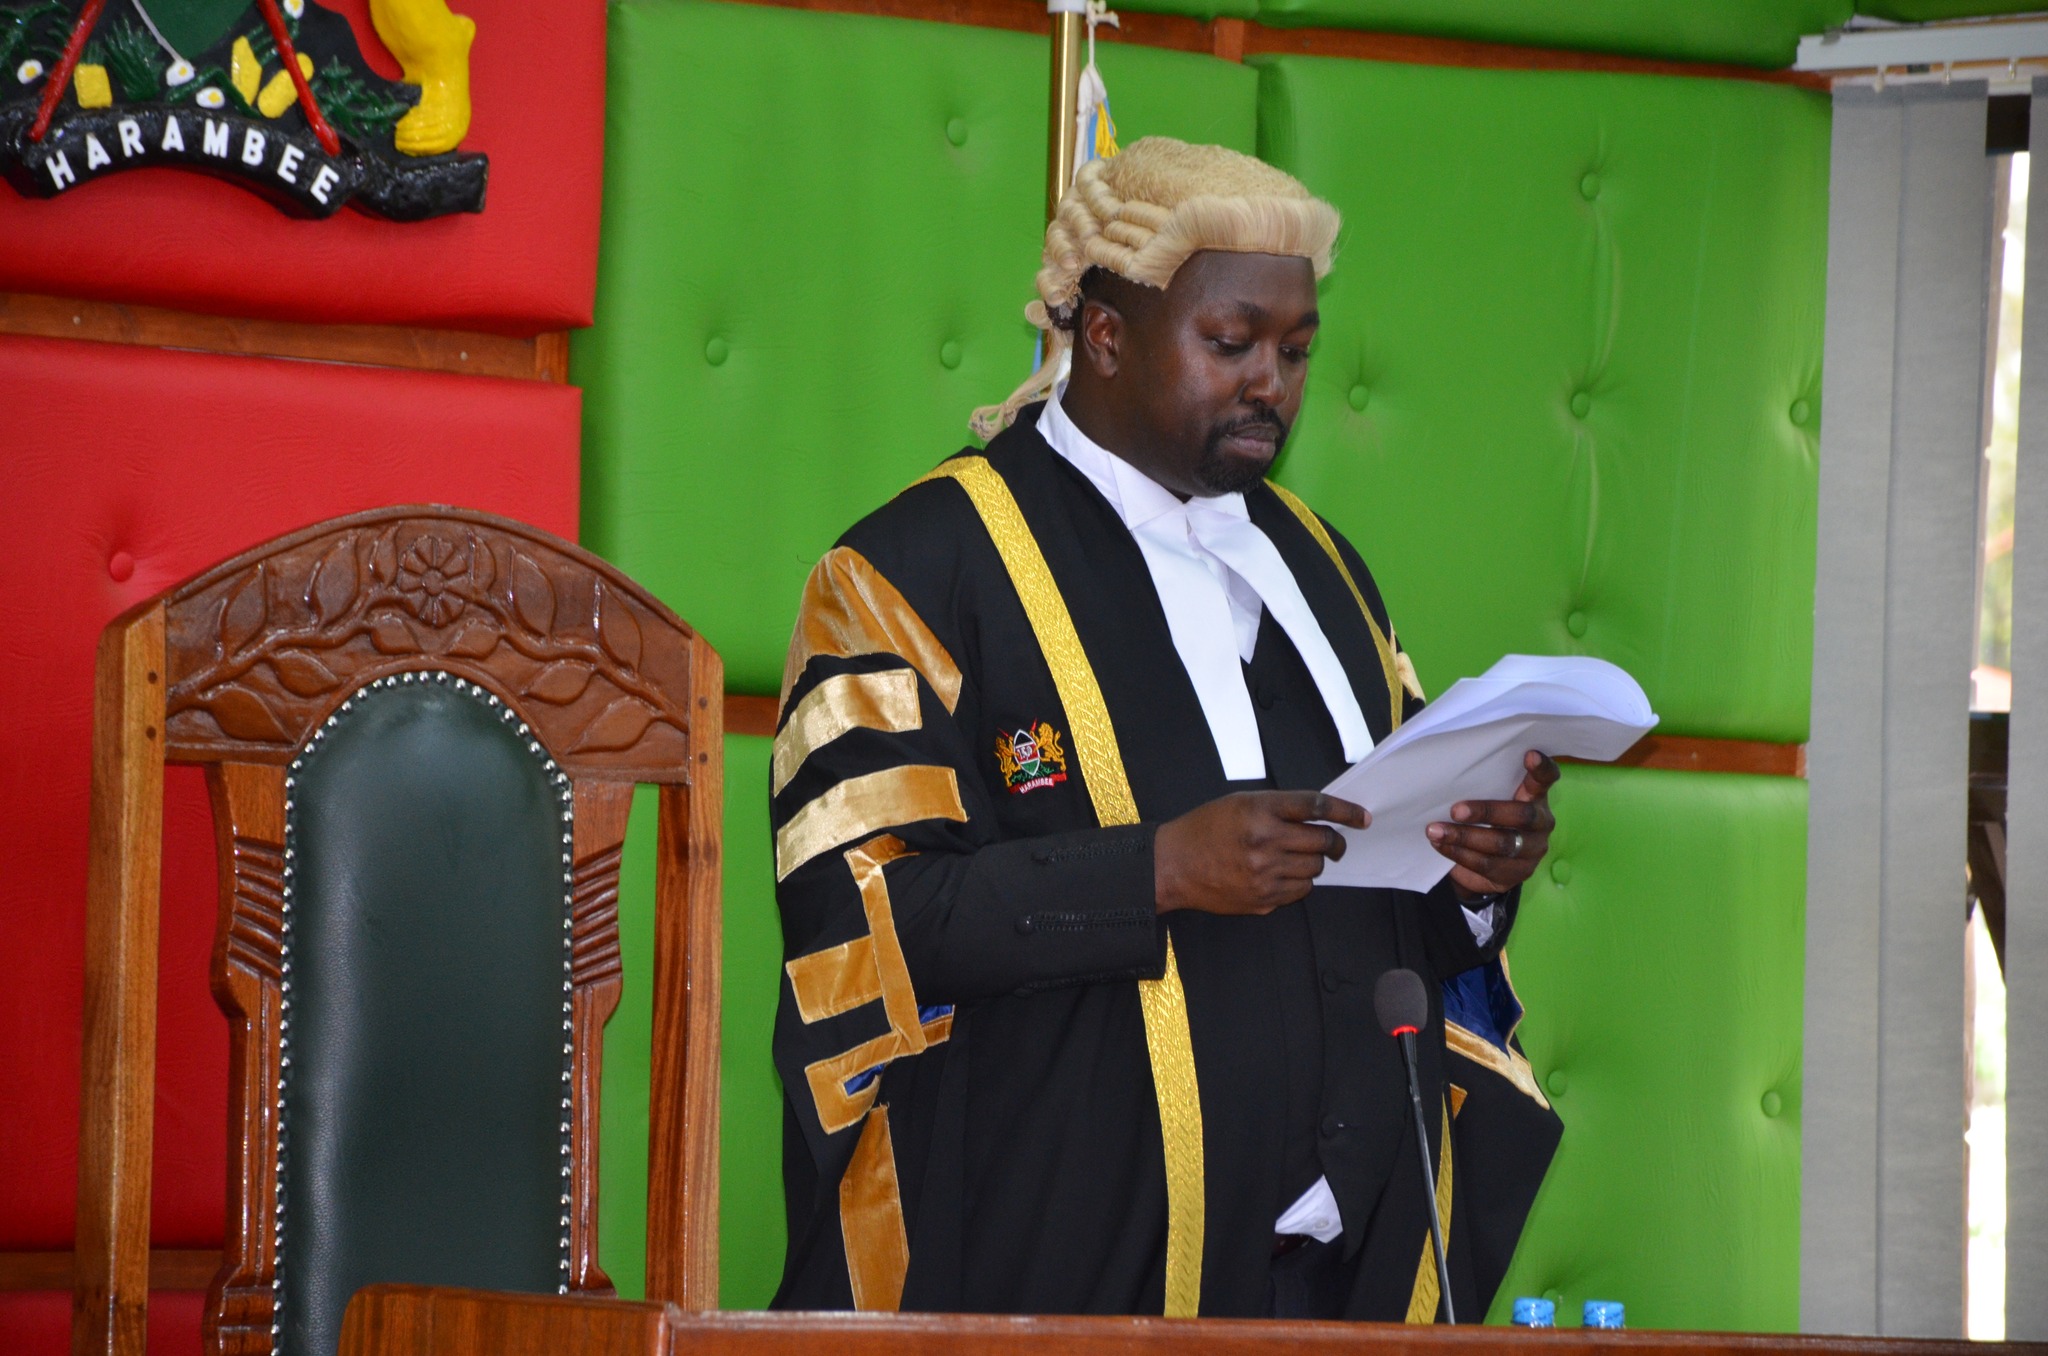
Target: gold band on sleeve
[(849, 609), (838, 1108), (835, 980), (871, 1218), (860, 805), (899, 1000), (841, 978), (1389, 665), (884, 701), (1163, 1000)]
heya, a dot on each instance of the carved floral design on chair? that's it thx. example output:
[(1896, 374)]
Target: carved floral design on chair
[(425, 579), (277, 644)]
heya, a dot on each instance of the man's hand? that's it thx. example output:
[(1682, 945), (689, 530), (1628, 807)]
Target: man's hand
[(1497, 843), (1251, 852)]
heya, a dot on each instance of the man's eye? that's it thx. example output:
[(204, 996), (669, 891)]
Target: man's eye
[(1228, 347), (1294, 353)]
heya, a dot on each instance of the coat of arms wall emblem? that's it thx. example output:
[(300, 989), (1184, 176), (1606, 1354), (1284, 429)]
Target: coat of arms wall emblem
[(272, 94)]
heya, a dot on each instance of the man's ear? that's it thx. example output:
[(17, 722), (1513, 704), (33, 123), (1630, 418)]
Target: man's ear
[(1100, 336)]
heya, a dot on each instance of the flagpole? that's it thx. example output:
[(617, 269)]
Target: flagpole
[(1069, 26)]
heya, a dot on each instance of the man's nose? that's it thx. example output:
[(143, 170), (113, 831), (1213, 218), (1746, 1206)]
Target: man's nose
[(1264, 384)]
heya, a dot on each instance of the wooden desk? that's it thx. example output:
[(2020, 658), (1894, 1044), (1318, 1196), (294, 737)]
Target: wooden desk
[(396, 1320)]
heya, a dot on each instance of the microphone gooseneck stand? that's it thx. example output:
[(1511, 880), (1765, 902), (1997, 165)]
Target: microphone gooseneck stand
[(1402, 1006), (1436, 1225)]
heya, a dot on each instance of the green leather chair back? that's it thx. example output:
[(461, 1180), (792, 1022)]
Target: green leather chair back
[(423, 1129)]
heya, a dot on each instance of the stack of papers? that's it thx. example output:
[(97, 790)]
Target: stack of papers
[(1469, 745)]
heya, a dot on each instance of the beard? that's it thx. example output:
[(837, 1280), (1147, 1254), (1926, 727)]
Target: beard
[(1218, 474)]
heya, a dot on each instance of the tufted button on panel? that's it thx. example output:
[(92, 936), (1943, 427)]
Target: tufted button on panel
[(716, 352), (956, 131), (1331, 1127), (1556, 1083), (1575, 622), (1773, 1104), (120, 567), (1801, 412), (1359, 397), (1331, 981), (1582, 404), (949, 353), (1589, 186), (1560, 871)]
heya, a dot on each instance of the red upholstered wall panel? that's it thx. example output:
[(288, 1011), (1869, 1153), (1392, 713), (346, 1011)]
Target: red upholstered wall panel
[(122, 472), (38, 1323), (528, 263)]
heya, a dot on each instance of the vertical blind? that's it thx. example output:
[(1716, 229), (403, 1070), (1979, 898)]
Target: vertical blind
[(1882, 1198)]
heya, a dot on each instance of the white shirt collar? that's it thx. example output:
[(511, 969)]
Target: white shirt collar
[(1136, 497), (1214, 572)]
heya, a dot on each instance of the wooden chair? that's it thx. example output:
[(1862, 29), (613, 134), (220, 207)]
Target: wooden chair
[(421, 729)]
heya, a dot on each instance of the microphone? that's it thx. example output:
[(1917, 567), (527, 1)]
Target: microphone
[(1402, 1005)]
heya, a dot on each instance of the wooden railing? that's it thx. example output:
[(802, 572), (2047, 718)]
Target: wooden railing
[(417, 1321)]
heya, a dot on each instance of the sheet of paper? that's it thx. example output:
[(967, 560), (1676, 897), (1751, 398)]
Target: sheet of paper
[(1468, 745)]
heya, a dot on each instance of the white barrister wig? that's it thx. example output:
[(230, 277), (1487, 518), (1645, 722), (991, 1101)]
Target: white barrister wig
[(1140, 214)]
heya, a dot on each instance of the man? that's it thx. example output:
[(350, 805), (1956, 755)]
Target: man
[(1066, 1024)]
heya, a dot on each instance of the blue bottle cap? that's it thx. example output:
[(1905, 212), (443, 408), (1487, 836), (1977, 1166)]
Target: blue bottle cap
[(1603, 1314), (1535, 1313)]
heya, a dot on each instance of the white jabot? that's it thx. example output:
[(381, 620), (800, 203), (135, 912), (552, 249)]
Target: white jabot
[(1213, 570)]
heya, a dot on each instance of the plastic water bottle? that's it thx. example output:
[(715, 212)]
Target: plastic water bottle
[(1603, 1314), (1535, 1313)]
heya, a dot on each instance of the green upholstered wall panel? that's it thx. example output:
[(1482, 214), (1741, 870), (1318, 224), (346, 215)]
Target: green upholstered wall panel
[(1660, 955), (1566, 394), (1193, 9), (751, 1230), (1929, 11), (750, 1133), (628, 1054), (1751, 32), (819, 235)]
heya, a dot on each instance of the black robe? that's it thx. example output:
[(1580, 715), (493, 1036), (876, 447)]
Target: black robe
[(971, 1122)]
